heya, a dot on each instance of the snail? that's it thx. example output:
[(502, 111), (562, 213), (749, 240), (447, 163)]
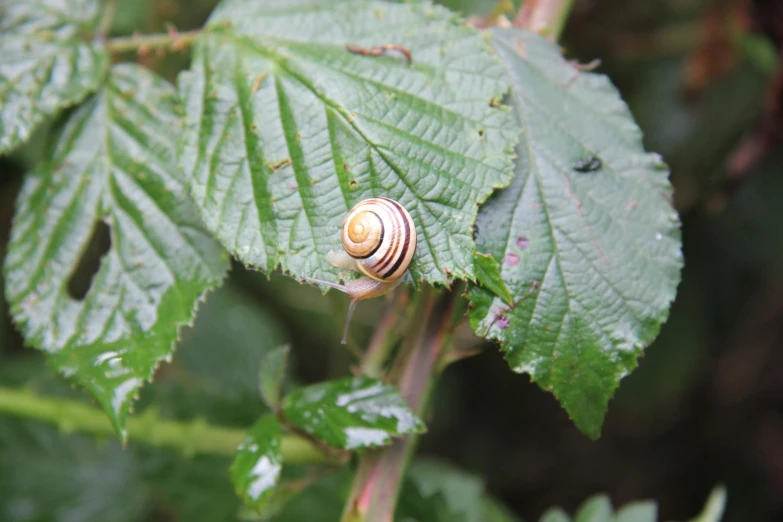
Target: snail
[(379, 240)]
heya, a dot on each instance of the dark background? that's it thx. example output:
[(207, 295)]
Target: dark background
[(705, 81)]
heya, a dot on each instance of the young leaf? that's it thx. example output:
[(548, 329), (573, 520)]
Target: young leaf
[(589, 242), (488, 276), (643, 511), (111, 163), (47, 62), (597, 508), (286, 129), (257, 462), (714, 507), (273, 368), (356, 412)]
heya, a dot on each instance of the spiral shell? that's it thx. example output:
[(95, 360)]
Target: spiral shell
[(380, 234)]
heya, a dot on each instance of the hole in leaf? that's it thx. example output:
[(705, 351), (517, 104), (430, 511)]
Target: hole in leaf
[(81, 279)]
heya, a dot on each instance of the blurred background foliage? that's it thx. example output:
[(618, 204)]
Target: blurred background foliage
[(704, 78)]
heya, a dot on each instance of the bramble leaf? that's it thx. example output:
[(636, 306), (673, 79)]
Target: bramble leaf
[(111, 167), (356, 412), (48, 61), (258, 462), (588, 241), (286, 129)]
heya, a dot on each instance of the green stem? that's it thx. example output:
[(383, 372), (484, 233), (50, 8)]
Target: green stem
[(172, 40), (546, 17), (191, 437), (378, 478)]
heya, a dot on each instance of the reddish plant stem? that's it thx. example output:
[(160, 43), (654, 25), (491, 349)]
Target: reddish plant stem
[(378, 478), (545, 17)]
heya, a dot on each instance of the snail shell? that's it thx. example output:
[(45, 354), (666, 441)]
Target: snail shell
[(380, 235)]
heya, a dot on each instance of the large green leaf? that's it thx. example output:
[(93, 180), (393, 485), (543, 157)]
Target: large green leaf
[(111, 163), (257, 462), (47, 61), (286, 129), (586, 235), (357, 412)]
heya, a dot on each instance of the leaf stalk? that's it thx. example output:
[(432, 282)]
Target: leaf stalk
[(172, 40)]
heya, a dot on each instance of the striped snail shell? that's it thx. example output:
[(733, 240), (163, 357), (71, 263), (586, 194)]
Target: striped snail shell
[(380, 235)]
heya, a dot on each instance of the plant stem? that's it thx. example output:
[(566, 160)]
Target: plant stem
[(545, 17), (377, 483), (386, 334), (191, 437), (172, 40)]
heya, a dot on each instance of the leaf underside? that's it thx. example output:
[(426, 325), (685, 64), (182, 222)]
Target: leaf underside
[(352, 413), (112, 162), (286, 129), (587, 238), (47, 62)]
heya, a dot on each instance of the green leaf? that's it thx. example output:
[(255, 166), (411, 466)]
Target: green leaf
[(111, 164), (273, 369), (643, 511), (357, 412), (589, 241), (713, 509), (488, 275), (257, 462), (555, 514), (595, 509), (48, 61), (286, 129)]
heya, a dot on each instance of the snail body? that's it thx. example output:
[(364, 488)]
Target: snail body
[(379, 240)]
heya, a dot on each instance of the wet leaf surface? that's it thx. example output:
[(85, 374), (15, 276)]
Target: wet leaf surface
[(352, 413)]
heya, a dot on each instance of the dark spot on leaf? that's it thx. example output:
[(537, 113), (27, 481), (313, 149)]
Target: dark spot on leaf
[(481, 133), (353, 184), (279, 165), (588, 164), (512, 259), (523, 242), (253, 127), (391, 94), (90, 262), (495, 102), (502, 321), (345, 167), (475, 231)]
